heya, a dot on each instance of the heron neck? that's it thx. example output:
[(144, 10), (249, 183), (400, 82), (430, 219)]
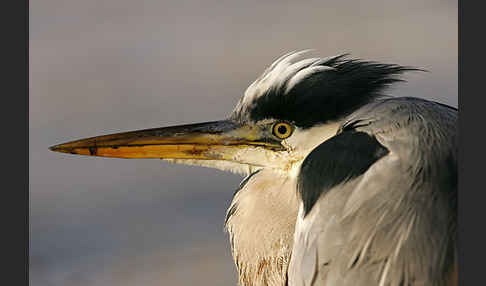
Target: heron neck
[(261, 224)]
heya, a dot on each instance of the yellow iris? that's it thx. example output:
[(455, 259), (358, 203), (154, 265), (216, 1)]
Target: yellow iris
[(282, 130)]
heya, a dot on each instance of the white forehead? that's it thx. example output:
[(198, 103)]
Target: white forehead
[(283, 74)]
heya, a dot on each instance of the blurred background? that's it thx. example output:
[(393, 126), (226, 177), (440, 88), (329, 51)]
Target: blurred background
[(104, 66)]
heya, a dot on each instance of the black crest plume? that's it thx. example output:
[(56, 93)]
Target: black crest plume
[(322, 95)]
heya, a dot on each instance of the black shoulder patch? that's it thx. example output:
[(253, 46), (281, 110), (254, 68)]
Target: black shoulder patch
[(339, 159)]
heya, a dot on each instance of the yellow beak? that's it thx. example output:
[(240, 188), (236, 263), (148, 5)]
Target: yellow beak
[(218, 140)]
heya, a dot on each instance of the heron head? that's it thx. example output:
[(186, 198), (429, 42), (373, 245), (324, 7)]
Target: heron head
[(291, 108)]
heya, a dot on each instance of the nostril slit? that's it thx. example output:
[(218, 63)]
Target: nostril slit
[(92, 151)]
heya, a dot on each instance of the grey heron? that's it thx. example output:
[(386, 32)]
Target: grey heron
[(345, 185)]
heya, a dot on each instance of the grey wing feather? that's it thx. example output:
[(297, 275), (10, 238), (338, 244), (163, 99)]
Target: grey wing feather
[(396, 223)]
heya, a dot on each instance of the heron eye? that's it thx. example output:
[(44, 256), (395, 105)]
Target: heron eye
[(282, 130)]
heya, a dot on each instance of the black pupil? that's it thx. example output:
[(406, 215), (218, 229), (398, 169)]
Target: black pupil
[(282, 129)]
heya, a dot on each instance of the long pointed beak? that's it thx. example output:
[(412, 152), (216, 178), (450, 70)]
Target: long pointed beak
[(218, 140)]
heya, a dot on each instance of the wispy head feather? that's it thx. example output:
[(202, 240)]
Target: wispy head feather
[(315, 90)]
